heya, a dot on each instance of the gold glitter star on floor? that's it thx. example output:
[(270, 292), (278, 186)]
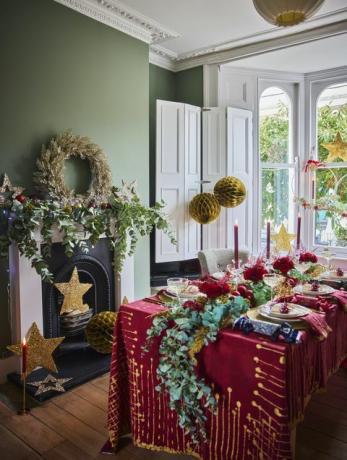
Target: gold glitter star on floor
[(336, 149), (73, 292), (283, 239), (50, 383), (39, 350)]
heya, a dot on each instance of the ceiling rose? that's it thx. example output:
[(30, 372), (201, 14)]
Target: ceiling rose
[(286, 12)]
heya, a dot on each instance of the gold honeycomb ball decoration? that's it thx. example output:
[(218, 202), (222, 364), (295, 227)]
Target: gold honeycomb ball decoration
[(204, 208), (99, 331), (230, 192)]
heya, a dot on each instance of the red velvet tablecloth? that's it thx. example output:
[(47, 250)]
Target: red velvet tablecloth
[(262, 388)]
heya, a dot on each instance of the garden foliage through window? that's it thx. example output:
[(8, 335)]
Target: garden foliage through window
[(331, 179), (276, 160)]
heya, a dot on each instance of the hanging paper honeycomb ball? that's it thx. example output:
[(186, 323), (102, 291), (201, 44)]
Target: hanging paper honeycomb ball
[(99, 331), (230, 192), (204, 208)]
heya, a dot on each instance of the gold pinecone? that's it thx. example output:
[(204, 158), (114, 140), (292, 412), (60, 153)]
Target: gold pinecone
[(230, 192), (204, 208), (99, 331)]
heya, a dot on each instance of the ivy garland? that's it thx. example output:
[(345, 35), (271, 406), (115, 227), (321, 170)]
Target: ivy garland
[(184, 332), (30, 222)]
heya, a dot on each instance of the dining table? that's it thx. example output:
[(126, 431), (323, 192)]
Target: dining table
[(261, 387)]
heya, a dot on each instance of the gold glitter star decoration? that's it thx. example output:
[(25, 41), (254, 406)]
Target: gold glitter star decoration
[(283, 239), (336, 149), (6, 188), (39, 350), (73, 292), (50, 383)]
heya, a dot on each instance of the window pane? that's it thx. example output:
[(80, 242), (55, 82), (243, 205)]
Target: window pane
[(331, 227), (277, 198), (274, 108), (332, 117)]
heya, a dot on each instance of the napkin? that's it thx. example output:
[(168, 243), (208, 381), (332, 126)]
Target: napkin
[(318, 324), (341, 298)]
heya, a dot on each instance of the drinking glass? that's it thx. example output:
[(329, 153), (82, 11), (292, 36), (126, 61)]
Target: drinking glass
[(177, 285), (272, 280), (302, 268)]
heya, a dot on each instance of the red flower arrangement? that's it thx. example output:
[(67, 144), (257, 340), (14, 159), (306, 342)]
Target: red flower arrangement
[(308, 257), (214, 289), (256, 272), (283, 264), (193, 305)]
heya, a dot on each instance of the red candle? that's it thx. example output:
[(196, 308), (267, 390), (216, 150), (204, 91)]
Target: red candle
[(268, 240), (298, 232), (236, 245), (313, 188), (24, 356)]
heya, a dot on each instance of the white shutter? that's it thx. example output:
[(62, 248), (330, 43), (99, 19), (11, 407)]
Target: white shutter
[(178, 172), (214, 167), (240, 164), (192, 136), (170, 167)]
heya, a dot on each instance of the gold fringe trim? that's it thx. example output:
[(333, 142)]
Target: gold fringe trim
[(166, 449)]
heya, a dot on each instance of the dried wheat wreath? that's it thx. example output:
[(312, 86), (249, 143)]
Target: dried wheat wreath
[(51, 164)]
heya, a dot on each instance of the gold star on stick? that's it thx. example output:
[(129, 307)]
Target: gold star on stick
[(73, 292), (336, 149), (282, 239), (39, 350)]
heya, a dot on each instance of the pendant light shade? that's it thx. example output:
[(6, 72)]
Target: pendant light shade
[(286, 12)]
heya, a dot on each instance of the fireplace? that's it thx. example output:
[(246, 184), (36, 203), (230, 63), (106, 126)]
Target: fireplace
[(35, 301), (94, 268)]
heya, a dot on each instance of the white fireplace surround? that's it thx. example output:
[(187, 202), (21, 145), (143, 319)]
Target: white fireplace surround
[(26, 304)]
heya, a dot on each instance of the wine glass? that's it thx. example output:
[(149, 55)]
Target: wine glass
[(302, 268), (177, 286), (272, 280)]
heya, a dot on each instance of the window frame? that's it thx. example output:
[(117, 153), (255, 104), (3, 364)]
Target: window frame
[(314, 89), (291, 89)]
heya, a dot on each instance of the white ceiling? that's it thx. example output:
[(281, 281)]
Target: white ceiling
[(204, 24), (309, 57)]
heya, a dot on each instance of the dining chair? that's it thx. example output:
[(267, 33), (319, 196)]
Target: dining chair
[(216, 260)]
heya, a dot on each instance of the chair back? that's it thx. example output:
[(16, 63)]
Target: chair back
[(216, 260)]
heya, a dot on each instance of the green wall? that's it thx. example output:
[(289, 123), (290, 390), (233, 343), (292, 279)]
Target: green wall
[(60, 70), (189, 86)]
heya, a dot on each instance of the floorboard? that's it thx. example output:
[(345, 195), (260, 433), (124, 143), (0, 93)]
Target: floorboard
[(72, 426)]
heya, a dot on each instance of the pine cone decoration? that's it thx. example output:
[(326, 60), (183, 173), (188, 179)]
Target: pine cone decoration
[(204, 208), (230, 192), (99, 331)]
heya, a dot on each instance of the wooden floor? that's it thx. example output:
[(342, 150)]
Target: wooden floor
[(72, 427)]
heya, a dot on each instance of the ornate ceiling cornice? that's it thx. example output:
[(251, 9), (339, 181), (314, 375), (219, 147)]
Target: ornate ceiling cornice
[(119, 16)]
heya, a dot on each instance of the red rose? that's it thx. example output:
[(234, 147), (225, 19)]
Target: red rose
[(283, 264), (197, 306), (214, 289), (255, 273), (308, 257)]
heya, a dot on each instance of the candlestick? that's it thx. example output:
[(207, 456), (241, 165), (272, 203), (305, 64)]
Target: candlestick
[(298, 232), (236, 245), (268, 240)]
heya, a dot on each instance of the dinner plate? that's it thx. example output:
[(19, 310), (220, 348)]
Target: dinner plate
[(185, 294), (306, 290), (295, 311), (333, 277), (279, 320)]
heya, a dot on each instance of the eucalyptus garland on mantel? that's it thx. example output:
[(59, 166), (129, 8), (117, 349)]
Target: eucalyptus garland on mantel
[(117, 214)]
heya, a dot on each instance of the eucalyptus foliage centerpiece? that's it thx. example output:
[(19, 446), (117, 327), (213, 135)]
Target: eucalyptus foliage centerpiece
[(184, 329)]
